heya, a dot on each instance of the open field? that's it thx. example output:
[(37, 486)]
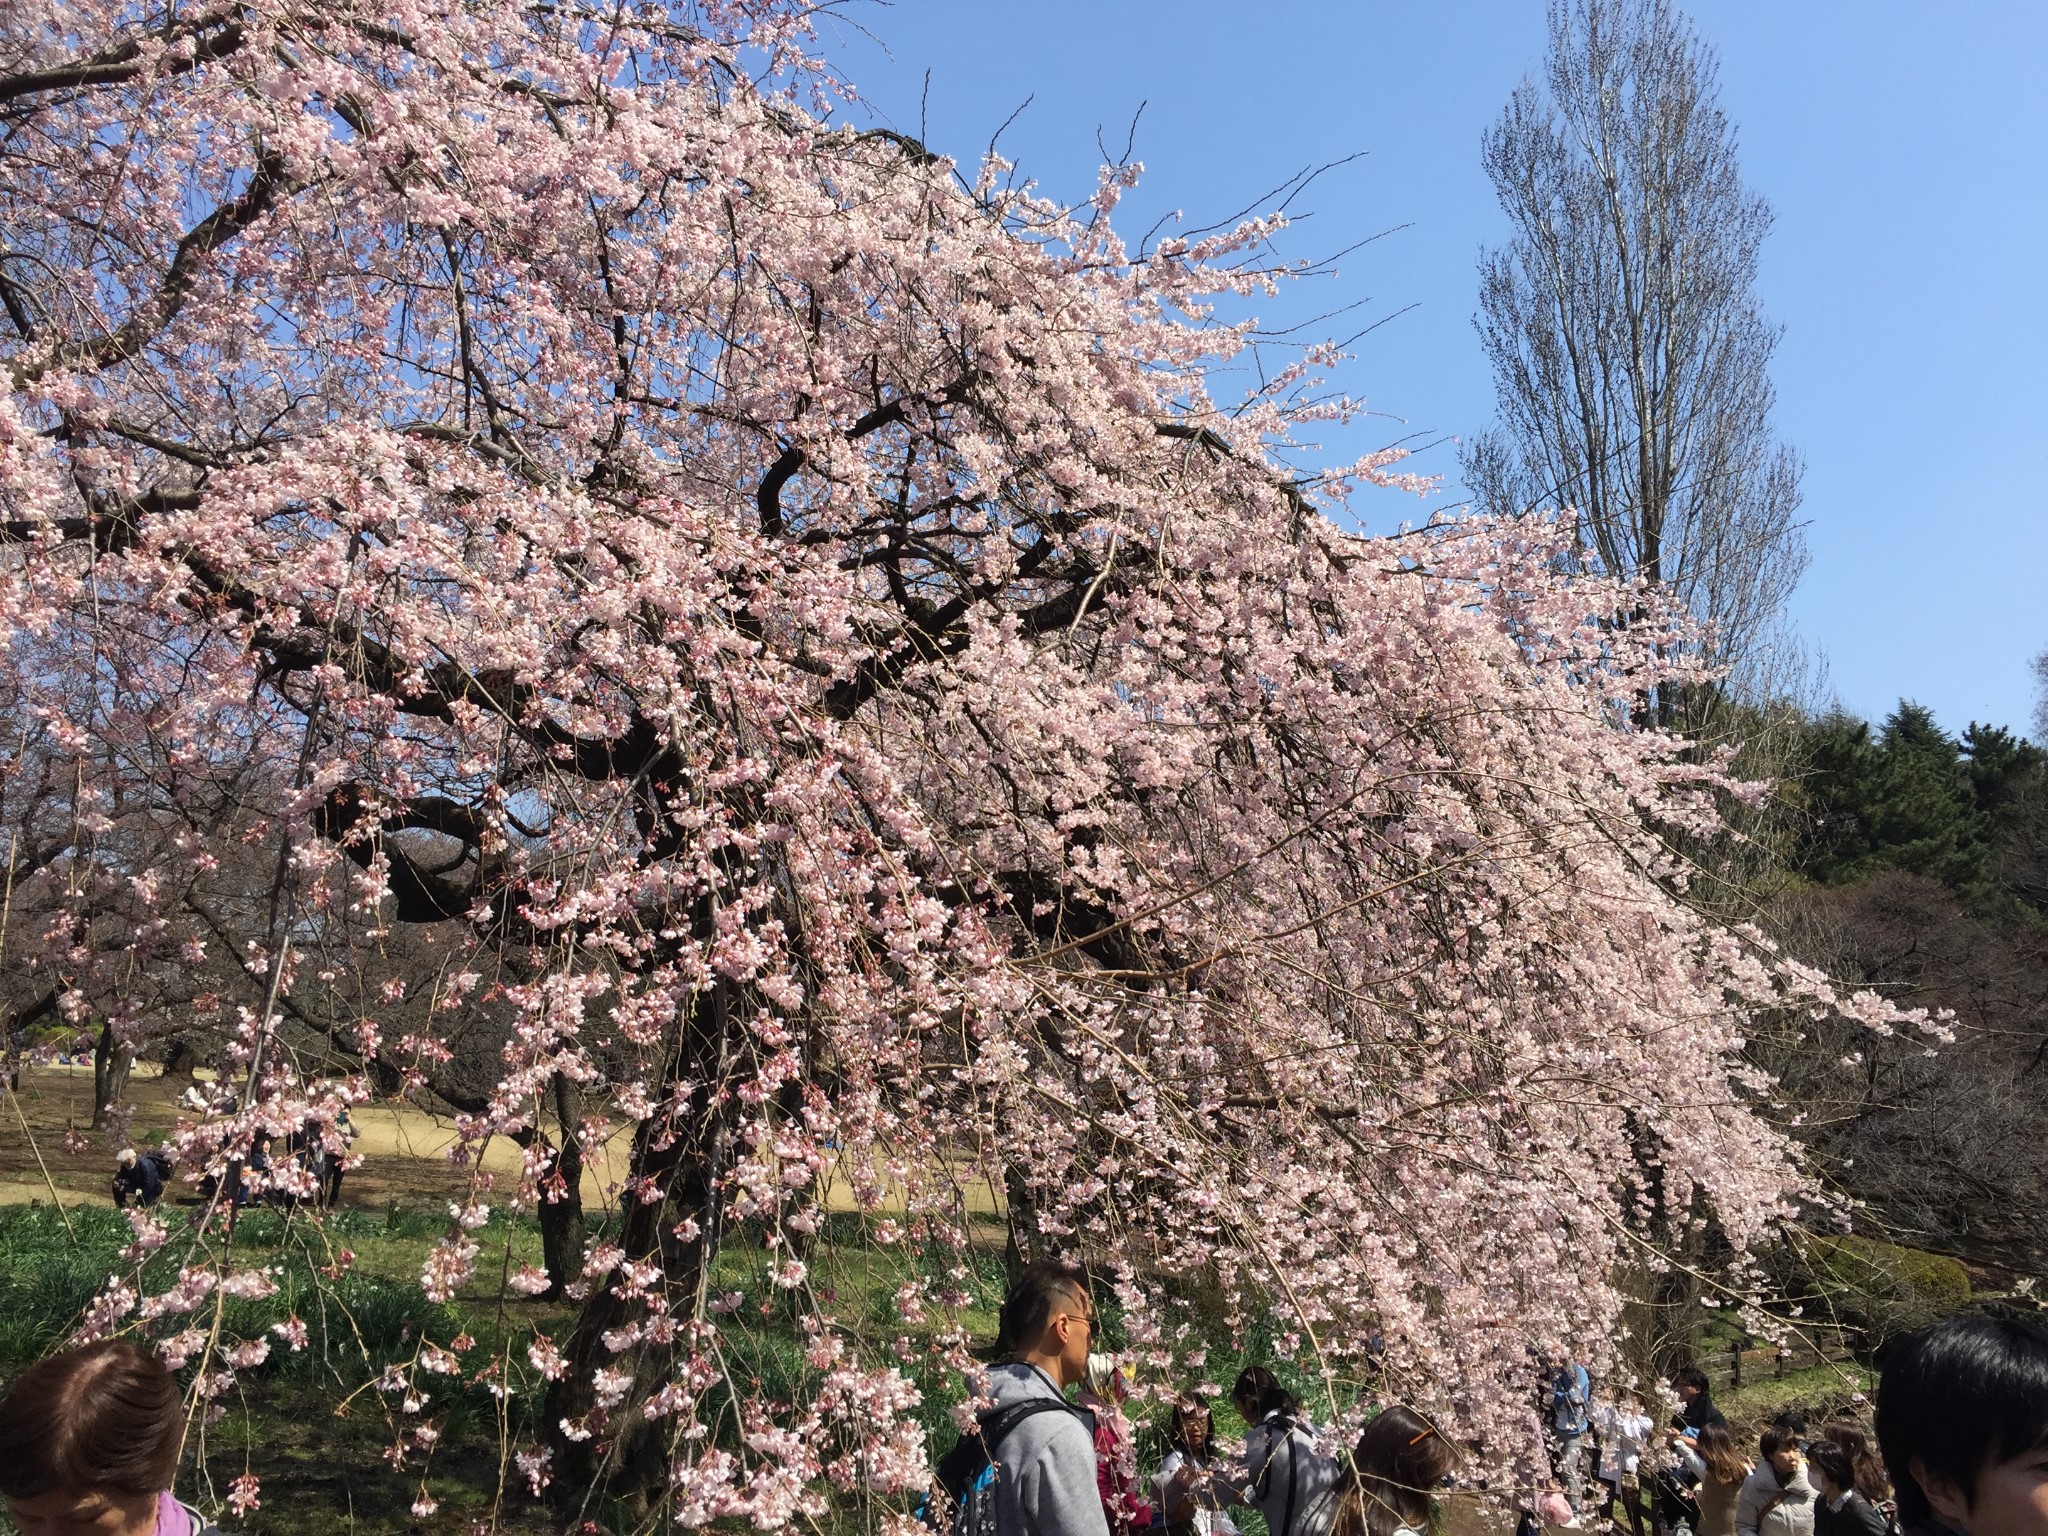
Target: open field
[(294, 1423), (404, 1148)]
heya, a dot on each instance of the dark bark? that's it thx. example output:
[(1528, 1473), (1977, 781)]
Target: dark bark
[(678, 1152), (561, 1208), (111, 1059), (180, 1059)]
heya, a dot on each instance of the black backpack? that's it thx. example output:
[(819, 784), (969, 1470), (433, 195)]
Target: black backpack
[(964, 1502)]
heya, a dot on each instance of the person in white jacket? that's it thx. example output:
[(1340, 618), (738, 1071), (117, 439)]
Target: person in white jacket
[(1777, 1500), (1283, 1476), (1624, 1431)]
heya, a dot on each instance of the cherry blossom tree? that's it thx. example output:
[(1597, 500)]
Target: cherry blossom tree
[(854, 713)]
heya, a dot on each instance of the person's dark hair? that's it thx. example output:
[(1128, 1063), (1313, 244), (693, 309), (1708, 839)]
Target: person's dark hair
[(1966, 1392), (1870, 1479), (1693, 1376), (1398, 1462), (1185, 1416), (1718, 1450), (1029, 1306), (1261, 1388), (1791, 1419), (1777, 1438), (103, 1416), (1832, 1463)]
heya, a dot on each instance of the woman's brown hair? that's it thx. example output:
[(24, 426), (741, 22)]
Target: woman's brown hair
[(1870, 1479), (1399, 1461), (1723, 1458), (104, 1415)]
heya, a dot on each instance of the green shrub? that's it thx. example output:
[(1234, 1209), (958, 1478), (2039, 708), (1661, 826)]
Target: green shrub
[(1882, 1288)]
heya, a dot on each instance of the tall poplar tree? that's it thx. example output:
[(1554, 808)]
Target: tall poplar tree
[(1630, 355)]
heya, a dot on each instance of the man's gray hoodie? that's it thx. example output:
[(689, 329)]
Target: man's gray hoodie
[(1047, 1486)]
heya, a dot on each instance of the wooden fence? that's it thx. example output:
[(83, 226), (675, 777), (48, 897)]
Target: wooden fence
[(1731, 1368)]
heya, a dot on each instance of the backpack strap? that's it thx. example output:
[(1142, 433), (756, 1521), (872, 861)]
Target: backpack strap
[(1262, 1485), (996, 1426)]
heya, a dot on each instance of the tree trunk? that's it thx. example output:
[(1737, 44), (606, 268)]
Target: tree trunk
[(1017, 1214), (111, 1059), (682, 1154), (180, 1060), (561, 1217)]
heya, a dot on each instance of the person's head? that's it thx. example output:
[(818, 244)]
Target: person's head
[(1258, 1393), (1691, 1384), (1048, 1321), (125, 1158), (1832, 1469), (1103, 1375), (1717, 1448), (1870, 1479), (1794, 1421), (1398, 1462), (88, 1440), (1962, 1420), (1780, 1447), (1191, 1431)]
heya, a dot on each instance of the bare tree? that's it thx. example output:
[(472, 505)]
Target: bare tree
[(1630, 355)]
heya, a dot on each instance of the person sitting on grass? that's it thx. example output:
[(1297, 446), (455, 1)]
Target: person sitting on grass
[(89, 1442), (1962, 1421)]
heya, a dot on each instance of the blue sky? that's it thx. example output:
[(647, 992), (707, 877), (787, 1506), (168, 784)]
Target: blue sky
[(1901, 146)]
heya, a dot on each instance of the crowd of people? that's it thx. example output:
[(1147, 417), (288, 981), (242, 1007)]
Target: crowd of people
[(315, 1170), (90, 1441), (1961, 1432)]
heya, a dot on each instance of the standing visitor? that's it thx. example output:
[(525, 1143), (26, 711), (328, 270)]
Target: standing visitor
[(1043, 1448), (1624, 1431), (1185, 1484), (89, 1441), (1718, 1471), (1962, 1420), (1696, 1400), (1838, 1509), (1696, 1411), (1102, 1394), (1869, 1466), (335, 1164), (1571, 1425), (1283, 1476), (1396, 1469), (1776, 1499)]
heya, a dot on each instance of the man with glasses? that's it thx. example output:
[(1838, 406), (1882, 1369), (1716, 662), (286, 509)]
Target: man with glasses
[(1046, 1453)]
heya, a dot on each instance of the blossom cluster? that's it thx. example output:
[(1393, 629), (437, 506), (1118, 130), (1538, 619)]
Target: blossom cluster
[(709, 633)]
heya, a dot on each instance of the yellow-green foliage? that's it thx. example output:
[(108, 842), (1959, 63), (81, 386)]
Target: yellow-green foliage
[(1882, 1287)]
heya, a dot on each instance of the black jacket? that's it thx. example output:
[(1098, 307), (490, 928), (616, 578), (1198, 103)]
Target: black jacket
[(1857, 1517), (140, 1181), (1701, 1412)]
